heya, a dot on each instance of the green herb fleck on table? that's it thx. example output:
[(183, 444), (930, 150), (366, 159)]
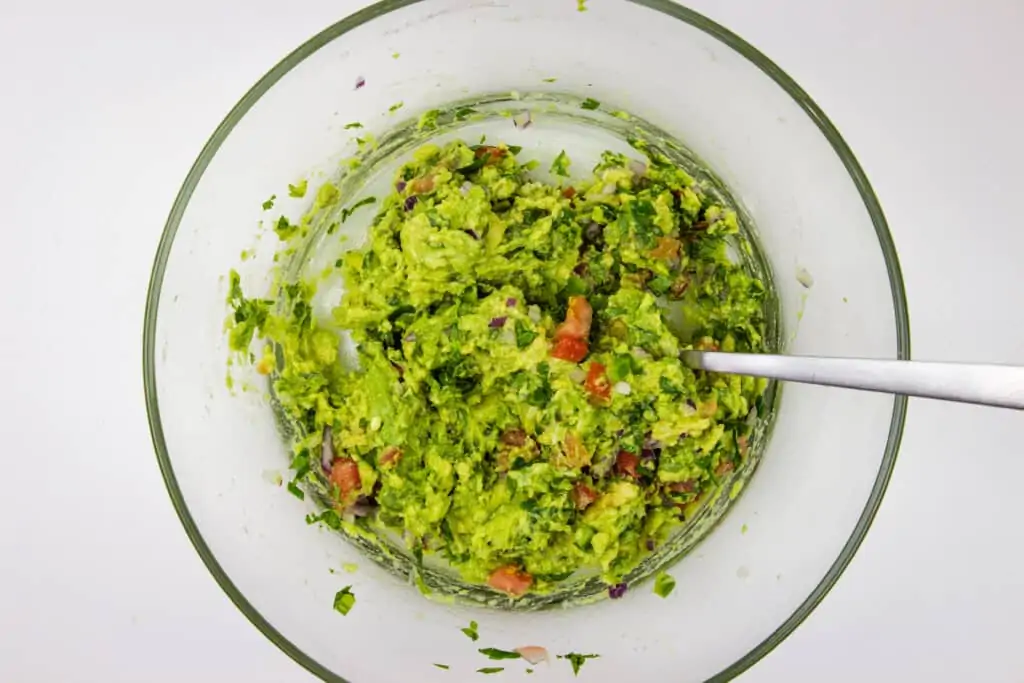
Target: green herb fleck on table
[(471, 631), (395, 55), (590, 103), (495, 653), (298, 190), (577, 660), (490, 670), (296, 491), (354, 124), (428, 121), (529, 671), (345, 213), (664, 584), (269, 204), (743, 529), (442, 666), (350, 567), (344, 600), (581, 5), (395, 107), (549, 80), (560, 166)]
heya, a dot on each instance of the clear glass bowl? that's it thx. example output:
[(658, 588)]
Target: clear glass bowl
[(783, 542)]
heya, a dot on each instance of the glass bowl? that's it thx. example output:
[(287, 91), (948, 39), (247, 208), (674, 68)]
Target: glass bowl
[(822, 240)]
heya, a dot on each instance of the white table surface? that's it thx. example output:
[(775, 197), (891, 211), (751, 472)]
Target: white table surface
[(103, 107)]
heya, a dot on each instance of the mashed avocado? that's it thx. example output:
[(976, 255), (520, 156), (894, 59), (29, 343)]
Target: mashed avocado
[(519, 408)]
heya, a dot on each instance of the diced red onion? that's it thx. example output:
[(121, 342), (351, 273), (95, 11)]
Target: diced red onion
[(511, 302), (472, 233), (650, 544), (360, 82), (410, 202), (522, 120), (411, 337), (327, 450), (652, 444), (497, 322), (400, 186), (617, 591)]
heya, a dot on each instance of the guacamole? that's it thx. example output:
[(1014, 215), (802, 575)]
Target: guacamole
[(518, 408)]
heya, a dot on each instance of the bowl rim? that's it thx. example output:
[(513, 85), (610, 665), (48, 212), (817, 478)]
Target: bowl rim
[(670, 9)]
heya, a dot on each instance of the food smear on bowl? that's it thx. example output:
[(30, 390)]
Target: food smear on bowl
[(518, 409)]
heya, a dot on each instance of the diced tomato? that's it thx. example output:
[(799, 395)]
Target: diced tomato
[(578, 317), (724, 468), (570, 349), (597, 382), (708, 408), (345, 475), (390, 456), (422, 185), (683, 486), (626, 464), (495, 153), (706, 344), (510, 579), (583, 496), (576, 454), (667, 249), (513, 437), (743, 442), (569, 192)]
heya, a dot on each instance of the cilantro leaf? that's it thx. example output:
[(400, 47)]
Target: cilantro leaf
[(344, 600), (590, 103), (664, 584), (471, 632), (298, 190), (490, 670), (354, 124), (495, 653), (296, 491), (524, 335), (577, 660), (284, 229), (395, 107), (560, 166), (442, 666), (345, 213), (269, 204)]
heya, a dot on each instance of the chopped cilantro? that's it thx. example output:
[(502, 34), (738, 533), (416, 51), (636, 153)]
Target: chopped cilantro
[(495, 653), (395, 55), (549, 80), (581, 5), (345, 213), (590, 103), (577, 660), (490, 670), (664, 584), (395, 107), (354, 124), (344, 600), (560, 166), (326, 196), (269, 204), (515, 149), (298, 190), (296, 491), (327, 517), (471, 631), (529, 671), (442, 666)]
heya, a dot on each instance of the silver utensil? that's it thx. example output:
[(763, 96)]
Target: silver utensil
[(990, 385)]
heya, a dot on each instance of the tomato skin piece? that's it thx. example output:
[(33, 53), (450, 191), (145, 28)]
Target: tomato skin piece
[(583, 496), (510, 579), (597, 382), (626, 464), (570, 349), (667, 249), (578, 318), (345, 475), (390, 456)]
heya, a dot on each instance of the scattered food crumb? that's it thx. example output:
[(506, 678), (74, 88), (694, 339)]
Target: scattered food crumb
[(549, 80), (581, 5), (534, 654), (845, 300), (804, 277), (344, 600), (743, 529), (269, 204), (395, 107), (395, 55), (298, 190), (664, 584), (442, 666), (471, 631), (490, 670), (577, 660), (350, 567), (360, 82)]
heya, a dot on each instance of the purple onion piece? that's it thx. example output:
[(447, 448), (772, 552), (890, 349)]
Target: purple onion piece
[(400, 186), (327, 450), (411, 337), (652, 444), (650, 545), (593, 232), (497, 322), (362, 507), (360, 82), (511, 302), (617, 591), (472, 233), (410, 202), (649, 454)]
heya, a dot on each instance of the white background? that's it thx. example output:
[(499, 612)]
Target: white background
[(103, 107)]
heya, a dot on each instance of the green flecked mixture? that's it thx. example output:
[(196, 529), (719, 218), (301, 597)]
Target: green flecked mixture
[(518, 408)]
